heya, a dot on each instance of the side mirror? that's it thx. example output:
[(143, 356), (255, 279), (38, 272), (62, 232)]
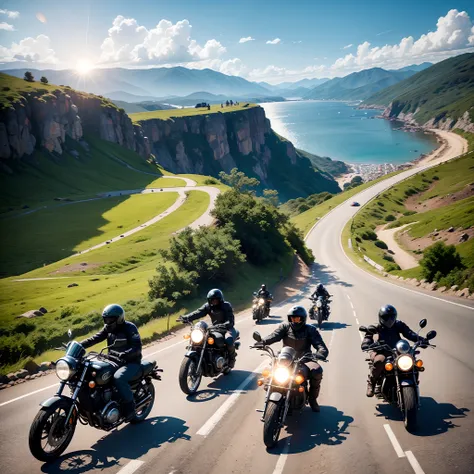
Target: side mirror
[(254, 293), (423, 323), (431, 335), (372, 329), (69, 333), (363, 328), (257, 336)]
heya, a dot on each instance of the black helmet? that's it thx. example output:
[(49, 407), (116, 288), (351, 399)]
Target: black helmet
[(215, 294), (319, 287), (387, 316), (296, 311), (112, 315), (264, 287)]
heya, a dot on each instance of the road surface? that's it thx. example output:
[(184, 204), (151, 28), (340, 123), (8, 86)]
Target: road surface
[(219, 431)]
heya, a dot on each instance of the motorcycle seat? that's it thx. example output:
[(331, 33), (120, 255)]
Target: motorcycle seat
[(146, 368)]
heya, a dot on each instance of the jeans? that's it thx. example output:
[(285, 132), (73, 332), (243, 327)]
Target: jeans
[(314, 373), (122, 378)]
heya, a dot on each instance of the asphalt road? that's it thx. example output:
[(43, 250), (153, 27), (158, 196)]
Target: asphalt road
[(219, 431)]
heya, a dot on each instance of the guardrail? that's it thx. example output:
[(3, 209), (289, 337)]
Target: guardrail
[(374, 264)]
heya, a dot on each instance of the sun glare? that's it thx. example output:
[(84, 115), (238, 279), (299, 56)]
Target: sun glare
[(84, 67)]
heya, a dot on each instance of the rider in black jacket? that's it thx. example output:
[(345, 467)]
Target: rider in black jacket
[(221, 312), (320, 291), (264, 293), (301, 336), (127, 351), (390, 331)]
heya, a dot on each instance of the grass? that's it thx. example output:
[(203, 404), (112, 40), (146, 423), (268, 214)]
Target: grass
[(468, 136), (187, 112), (307, 219)]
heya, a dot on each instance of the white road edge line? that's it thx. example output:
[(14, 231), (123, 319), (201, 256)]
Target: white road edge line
[(131, 467), (213, 421), (352, 306), (282, 458), (357, 321), (396, 445), (348, 297), (414, 463), (28, 394)]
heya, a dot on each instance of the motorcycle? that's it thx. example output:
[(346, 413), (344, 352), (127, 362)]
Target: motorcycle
[(93, 399), (287, 388), (320, 310), (206, 355), (260, 310), (399, 383)]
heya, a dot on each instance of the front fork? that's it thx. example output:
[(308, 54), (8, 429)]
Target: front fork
[(73, 409), (198, 369)]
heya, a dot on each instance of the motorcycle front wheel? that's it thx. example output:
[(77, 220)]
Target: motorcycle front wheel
[(189, 380), (271, 424), (49, 435), (410, 407), (320, 319)]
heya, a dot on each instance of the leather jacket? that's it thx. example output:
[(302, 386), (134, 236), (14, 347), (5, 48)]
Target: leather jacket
[(220, 314)]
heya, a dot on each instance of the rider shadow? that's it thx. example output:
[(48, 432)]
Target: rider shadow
[(330, 326), (267, 322), (131, 442), (321, 274), (433, 418), (222, 385), (308, 430)]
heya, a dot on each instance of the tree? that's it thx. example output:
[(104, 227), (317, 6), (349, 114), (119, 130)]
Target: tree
[(439, 260), (271, 197), (172, 284), (238, 180), (44, 80), (29, 77)]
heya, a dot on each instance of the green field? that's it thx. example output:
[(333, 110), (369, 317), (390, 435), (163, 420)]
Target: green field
[(187, 112)]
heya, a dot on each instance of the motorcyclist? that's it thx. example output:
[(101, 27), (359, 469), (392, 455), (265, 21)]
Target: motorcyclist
[(321, 291), (264, 293), (221, 312), (127, 351), (301, 336), (389, 332)]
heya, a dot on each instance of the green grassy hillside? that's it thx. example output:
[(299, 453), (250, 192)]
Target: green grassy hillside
[(445, 89)]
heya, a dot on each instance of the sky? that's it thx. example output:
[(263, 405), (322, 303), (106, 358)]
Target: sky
[(260, 40)]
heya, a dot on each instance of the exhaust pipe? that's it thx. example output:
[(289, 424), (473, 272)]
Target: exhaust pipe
[(142, 402)]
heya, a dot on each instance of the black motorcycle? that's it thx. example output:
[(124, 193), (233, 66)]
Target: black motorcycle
[(260, 308), (93, 399), (287, 388), (206, 355), (399, 383), (320, 309)]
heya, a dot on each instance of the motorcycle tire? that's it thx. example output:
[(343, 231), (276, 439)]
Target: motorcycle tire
[(187, 365), (410, 408), (271, 424), (40, 422), (145, 410), (320, 319)]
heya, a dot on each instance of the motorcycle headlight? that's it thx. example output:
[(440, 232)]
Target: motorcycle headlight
[(63, 370), (197, 336), (281, 375), (318, 304), (405, 363), (261, 301)]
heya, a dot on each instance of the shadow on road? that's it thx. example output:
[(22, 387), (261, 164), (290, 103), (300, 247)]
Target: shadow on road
[(433, 418), (222, 385), (308, 430), (131, 442), (330, 326), (266, 322), (322, 274)]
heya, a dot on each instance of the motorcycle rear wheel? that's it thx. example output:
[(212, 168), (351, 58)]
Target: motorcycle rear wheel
[(271, 424), (410, 408)]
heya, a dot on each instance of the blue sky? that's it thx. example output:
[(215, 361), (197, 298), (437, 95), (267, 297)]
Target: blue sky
[(286, 41)]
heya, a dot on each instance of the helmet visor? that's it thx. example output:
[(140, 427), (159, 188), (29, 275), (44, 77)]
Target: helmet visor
[(110, 320), (215, 301), (295, 319)]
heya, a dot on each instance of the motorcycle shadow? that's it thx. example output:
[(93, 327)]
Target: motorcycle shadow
[(222, 385), (330, 326), (433, 418), (309, 430), (267, 321), (130, 442)]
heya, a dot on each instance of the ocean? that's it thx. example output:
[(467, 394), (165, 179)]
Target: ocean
[(342, 132)]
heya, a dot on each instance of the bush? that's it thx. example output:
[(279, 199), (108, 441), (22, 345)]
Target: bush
[(368, 234), (390, 267), (409, 213), (390, 218), (296, 240), (440, 259), (381, 244), (44, 80), (389, 258), (435, 178), (29, 77), (172, 284), (68, 311), (211, 181)]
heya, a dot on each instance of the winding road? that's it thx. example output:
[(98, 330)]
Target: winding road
[(219, 431)]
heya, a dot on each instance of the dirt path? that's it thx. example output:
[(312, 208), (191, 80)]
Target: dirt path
[(403, 258)]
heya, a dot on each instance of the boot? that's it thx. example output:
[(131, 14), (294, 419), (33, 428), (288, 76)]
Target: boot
[(313, 398), (370, 389), (128, 409), (232, 357)]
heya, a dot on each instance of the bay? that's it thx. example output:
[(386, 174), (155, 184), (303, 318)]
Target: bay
[(342, 132)]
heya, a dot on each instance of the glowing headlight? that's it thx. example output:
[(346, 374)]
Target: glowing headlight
[(197, 336), (318, 304), (261, 301), (281, 375), (63, 370), (405, 363)]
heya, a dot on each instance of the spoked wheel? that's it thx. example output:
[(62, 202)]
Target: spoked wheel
[(410, 408), (189, 380), (49, 435), (144, 410), (271, 424)]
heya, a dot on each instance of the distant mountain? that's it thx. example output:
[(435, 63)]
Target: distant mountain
[(416, 67), (127, 97), (358, 85), (441, 94), (308, 83), (155, 82), (132, 108)]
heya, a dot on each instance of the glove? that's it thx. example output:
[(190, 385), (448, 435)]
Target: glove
[(260, 344), (183, 319), (364, 347), (424, 341)]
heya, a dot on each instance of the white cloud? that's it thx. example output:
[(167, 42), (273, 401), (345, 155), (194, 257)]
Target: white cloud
[(167, 43), (348, 46), (37, 50), (232, 67), (275, 74), (10, 14), (454, 34), (245, 40), (297, 42), (6, 27), (274, 41)]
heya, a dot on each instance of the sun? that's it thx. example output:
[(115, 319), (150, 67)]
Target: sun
[(84, 66)]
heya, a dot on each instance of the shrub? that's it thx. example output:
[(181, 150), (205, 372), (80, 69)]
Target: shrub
[(390, 218), (44, 80), (380, 203), (29, 77), (381, 244), (169, 282), (389, 258), (440, 259), (435, 178), (5, 88), (211, 181), (409, 213), (295, 239), (368, 234), (390, 267), (68, 311), (24, 328)]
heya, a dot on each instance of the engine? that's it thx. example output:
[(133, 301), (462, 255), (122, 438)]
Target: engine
[(219, 362), (110, 414)]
